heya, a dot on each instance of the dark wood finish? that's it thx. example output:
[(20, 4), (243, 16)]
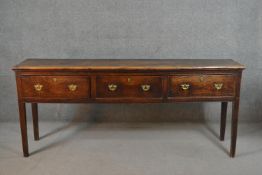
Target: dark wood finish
[(223, 120), (35, 120), (128, 81)]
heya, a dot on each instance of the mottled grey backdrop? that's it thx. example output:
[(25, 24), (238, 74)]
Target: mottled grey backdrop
[(132, 29)]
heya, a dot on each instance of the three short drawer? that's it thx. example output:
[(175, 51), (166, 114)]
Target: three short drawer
[(125, 86)]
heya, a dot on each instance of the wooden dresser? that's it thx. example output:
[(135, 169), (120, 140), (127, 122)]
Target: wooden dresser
[(128, 81)]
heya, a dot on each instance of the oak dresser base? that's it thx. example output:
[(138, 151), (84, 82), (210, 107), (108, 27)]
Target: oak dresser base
[(128, 81)]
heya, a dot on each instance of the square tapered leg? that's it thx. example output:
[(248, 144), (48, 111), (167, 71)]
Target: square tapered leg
[(23, 126)]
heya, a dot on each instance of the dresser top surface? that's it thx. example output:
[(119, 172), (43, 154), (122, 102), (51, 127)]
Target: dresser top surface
[(127, 64)]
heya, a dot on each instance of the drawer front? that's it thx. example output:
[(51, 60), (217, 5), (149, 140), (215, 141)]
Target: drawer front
[(201, 85), (129, 86), (64, 87)]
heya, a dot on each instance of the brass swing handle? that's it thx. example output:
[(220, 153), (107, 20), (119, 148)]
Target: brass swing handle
[(72, 87), (38, 87), (145, 87), (112, 87), (218, 86), (185, 86)]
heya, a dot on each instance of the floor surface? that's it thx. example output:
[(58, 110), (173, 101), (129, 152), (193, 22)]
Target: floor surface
[(130, 149)]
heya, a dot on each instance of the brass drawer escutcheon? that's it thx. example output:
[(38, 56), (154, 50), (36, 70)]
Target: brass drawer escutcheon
[(201, 78)]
